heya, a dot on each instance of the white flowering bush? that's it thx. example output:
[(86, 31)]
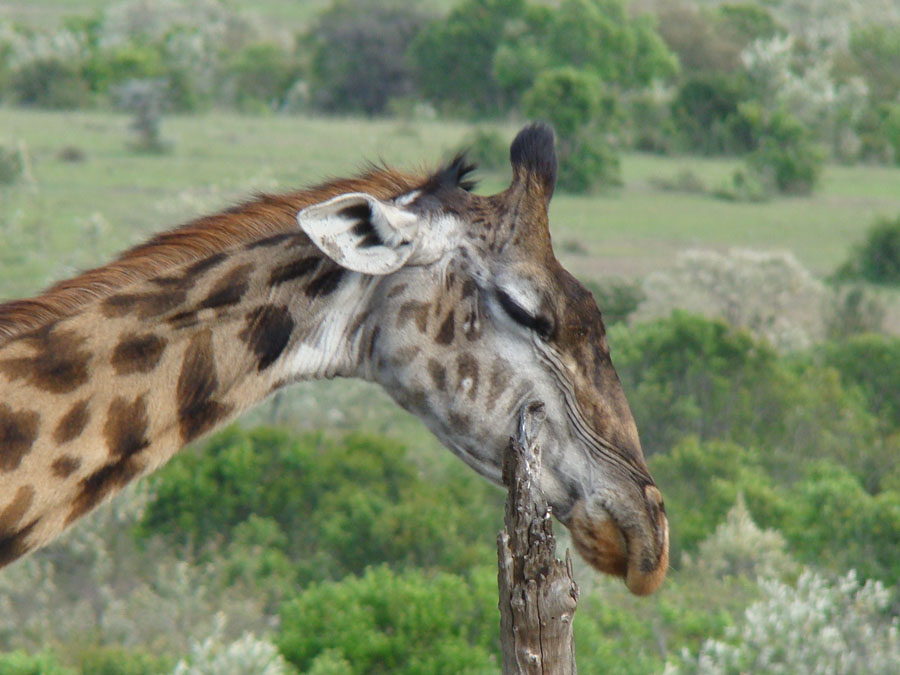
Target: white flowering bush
[(247, 655), (92, 584), (830, 108), (769, 293), (839, 627), (739, 547)]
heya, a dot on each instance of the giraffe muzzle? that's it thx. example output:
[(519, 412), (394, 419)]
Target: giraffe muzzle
[(638, 553)]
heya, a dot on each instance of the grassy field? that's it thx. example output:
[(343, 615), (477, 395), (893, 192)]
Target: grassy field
[(80, 213)]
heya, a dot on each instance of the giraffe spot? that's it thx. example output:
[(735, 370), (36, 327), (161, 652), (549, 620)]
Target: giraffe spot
[(395, 291), (65, 466), (274, 240), (293, 270), (72, 423), (460, 423), (14, 545), (143, 305), (413, 310), (137, 353), (325, 283), (177, 283), (438, 374), (267, 333), (468, 289), (467, 370), (373, 339), (404, 356), (59, 365), (205, 264), (102, 483), (198, 410), (447, 330), (186, 319), (18, 431), (229, 289), (499, 381), (126, 425), (12, 514)]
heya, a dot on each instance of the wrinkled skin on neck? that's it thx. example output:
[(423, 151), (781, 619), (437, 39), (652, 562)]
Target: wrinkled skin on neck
[(468, 331)]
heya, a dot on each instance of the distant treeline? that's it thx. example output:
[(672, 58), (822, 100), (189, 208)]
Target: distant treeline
[(675, 77)]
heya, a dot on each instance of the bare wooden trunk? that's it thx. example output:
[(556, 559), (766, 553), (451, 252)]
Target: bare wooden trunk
[(537, 592)]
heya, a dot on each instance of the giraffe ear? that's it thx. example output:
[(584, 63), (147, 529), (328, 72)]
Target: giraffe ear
[(361, 233)]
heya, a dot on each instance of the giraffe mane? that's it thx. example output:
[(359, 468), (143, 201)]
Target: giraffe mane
[(266, 215)]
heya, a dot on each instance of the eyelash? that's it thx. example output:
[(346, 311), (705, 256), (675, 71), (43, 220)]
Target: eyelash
[(539, 324)]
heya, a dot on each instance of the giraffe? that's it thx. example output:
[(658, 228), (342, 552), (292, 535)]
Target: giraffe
[(453, 302)]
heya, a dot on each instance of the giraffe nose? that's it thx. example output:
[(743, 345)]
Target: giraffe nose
[(638, 553)]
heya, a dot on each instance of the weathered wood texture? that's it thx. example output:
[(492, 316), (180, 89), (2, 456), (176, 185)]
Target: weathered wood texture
[(537, 592)]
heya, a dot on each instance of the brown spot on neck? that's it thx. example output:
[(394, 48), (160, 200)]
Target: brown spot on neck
[(18, 431), (72, 423)]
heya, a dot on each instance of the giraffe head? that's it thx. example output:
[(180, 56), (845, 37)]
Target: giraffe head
[(471, 317)]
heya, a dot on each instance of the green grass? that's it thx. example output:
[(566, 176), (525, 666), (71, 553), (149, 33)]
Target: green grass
[(75, 215)]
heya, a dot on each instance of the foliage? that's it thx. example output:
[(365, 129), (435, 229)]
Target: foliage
[(146, 99), (245, 656), (20, 663), (872, 363), (389, 622), (50, 83), (785, 156), (120, 661), (875, 51), (331, 507), (616, 298), (820, 626), (577, 105), (856, 309), (261, 74), (877, 258), (461, 80), (706, 112), (768, 293), (359, 55)]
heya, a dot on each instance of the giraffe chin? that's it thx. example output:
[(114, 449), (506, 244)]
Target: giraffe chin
[(604, 546)]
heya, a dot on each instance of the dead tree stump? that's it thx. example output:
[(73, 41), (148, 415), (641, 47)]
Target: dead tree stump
[(537, 592)]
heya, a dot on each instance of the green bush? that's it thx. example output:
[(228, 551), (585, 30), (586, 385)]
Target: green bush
[(706, 113), (580, 109), (877, 258), (487, 148), (329, 507), (20, 663), (262, 74), (388, 622), (50, 83), (616, 298), (785, 155), (461, 80), (120, 661)]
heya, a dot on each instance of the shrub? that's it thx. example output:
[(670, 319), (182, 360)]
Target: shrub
[(877, 258), (262, 73), (819, 626), (331, 507), (616, 298), (20, 663), (50, 83), (785, 155), (247, 655), (461, 80), (581, 111), (383, 621), (705, 112)]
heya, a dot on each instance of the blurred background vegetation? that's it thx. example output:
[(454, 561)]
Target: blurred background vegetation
[(730, 193)]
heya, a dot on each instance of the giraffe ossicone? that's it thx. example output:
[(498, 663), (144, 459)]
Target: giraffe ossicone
[(453, 302)]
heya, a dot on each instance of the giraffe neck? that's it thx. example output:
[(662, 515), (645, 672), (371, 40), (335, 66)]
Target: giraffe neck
[(90, 401)]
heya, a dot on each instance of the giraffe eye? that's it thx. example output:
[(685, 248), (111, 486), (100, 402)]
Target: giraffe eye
[(539, 324)]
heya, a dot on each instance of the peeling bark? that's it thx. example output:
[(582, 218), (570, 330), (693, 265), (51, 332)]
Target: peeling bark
[(537, 592)]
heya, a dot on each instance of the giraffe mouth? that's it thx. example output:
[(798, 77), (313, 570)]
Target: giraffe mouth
[(640, 558)]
